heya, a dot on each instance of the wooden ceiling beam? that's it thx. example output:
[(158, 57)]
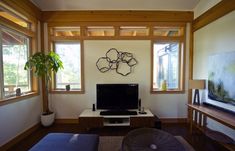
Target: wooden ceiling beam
[(117, 16), (222, 8)]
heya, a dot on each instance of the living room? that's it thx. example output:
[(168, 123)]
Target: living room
[(201, 29)]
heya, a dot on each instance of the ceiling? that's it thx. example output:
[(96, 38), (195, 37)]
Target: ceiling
[(53, 5)]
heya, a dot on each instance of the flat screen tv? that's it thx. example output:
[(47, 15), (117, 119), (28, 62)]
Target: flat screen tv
[(117, 96)]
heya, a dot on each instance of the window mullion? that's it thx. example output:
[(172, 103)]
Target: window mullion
[(180, 64), (29, 46), (1, 66)]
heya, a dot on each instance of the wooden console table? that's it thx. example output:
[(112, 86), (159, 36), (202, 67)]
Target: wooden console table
[(92, 119), (199, 114)]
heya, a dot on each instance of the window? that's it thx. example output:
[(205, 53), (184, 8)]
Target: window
[(14, 53), (166, 65), (65, 31), (134, 31), (17, 40), (168, 31), (168, 58), (100, 31), (70, 53)]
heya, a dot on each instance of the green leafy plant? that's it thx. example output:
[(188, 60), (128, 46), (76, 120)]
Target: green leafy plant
[(42, 66)]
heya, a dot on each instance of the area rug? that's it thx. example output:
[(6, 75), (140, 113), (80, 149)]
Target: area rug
[(113, 143)]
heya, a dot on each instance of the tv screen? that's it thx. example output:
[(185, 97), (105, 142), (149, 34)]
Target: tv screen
[(117, 96)]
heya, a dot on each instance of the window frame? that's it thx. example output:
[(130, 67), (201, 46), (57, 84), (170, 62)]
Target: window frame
[(32, 43), (53, 88), (181, 70), (30, 81), (151, 37)]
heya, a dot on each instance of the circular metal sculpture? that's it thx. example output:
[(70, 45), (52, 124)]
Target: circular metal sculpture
[(122, 62)]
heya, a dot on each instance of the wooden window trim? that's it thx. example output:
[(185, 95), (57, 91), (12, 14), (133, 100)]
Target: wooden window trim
[(12, 25), (153, 91), (26, 9), (14, 99), (34, 80), (32, 35), (150, 25), (12, 10), (80, 91), (52, 84), (64, 38)]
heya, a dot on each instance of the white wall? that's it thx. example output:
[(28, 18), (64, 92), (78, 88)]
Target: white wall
[(15, 118), (217, 37), (163, 105), (18, 117), (203, 6)]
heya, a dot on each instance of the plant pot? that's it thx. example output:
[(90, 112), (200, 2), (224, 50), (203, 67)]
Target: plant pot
[(47, 119)]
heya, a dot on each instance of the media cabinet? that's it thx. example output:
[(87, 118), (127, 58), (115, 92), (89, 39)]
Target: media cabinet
[(92, 119)]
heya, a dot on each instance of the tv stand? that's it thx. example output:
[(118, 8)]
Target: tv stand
[(93, 119)]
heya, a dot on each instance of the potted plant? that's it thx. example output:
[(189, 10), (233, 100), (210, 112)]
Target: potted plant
[(42, 66)]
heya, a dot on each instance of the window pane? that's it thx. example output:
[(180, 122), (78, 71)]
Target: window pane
[(166, 65), (66, 31), (168, 31), (70, 54), (15, 53), (134, 31), (100, 31)]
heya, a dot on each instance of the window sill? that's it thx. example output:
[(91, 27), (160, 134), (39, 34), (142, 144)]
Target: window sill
[(67, 92), (155, 91), (17, 98)]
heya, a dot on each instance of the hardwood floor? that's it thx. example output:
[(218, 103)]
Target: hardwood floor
[(197, 140)]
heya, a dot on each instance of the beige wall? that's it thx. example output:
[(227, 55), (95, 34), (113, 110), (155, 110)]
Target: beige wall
[(217, 37), (163, 105)]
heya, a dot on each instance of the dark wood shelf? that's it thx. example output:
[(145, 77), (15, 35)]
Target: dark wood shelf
[(198, 118), (221, 116)]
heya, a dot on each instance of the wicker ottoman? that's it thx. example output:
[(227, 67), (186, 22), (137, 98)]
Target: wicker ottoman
[(67, 142), (150, 139)]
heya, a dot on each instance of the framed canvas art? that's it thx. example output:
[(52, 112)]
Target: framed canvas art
[(221, 81)]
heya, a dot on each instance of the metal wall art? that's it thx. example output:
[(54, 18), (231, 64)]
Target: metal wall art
[(122, 62)]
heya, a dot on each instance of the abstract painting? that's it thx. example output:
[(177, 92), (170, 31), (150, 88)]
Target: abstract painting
[(221, 80)]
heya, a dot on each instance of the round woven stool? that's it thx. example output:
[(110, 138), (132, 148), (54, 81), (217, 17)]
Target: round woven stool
[(150, 139)]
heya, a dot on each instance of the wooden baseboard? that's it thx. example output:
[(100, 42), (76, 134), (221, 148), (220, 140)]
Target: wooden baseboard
[(66, 121), (20, 137), (173, 120)]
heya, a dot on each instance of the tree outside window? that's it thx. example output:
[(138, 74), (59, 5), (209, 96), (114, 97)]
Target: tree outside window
[(15, 49), (70, 54)]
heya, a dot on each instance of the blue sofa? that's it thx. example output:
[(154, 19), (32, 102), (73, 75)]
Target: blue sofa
[(67, 142)]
